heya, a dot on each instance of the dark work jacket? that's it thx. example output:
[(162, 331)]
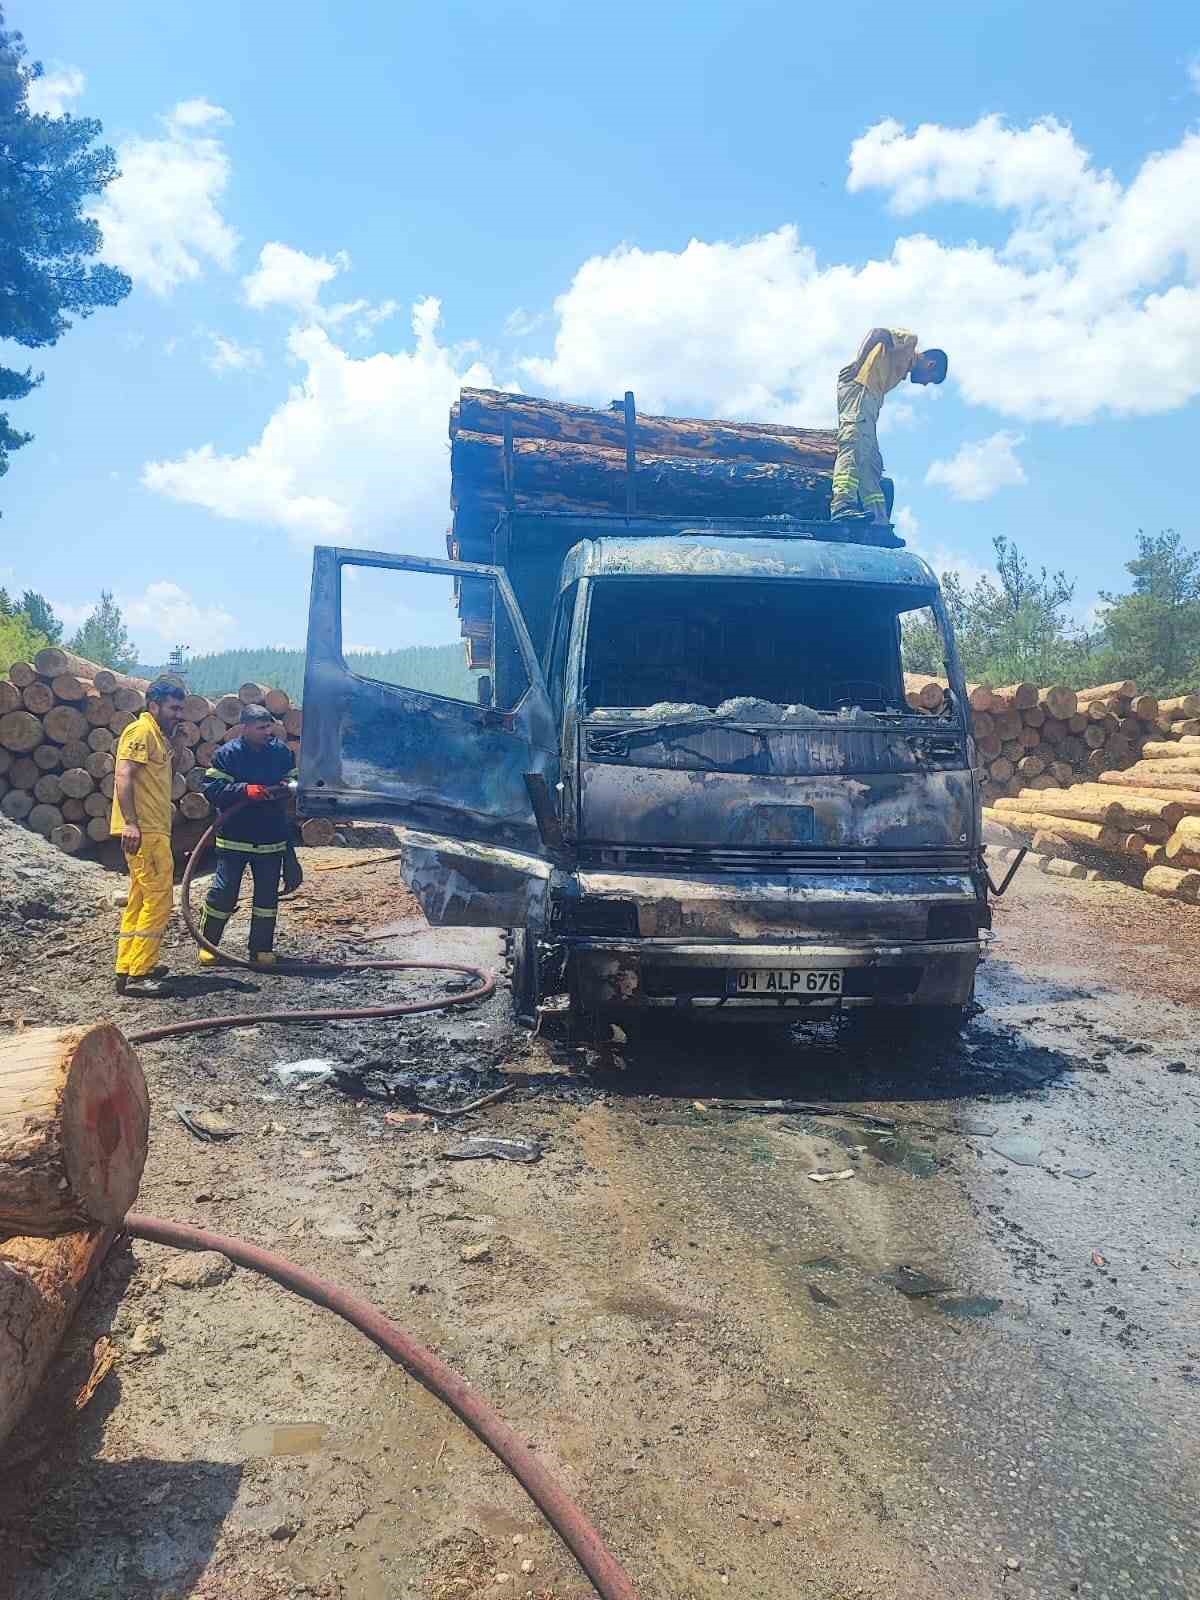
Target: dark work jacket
[(234, 766)]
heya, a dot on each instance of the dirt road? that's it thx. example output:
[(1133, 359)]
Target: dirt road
[(971, 1369)]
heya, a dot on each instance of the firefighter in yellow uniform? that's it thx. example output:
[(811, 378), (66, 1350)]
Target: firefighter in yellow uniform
[(141, 819), (885, 358)]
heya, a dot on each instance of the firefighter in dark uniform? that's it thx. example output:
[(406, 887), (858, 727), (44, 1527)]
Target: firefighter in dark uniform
[(251, 767)]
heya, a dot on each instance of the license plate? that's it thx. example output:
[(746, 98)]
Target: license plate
[(785, 980)]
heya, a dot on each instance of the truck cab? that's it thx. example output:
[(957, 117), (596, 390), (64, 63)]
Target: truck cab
[(688, 776)]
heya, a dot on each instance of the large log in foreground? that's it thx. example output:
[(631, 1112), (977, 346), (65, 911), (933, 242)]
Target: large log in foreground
[(74, 1125), (547, 471), (41, 1284)]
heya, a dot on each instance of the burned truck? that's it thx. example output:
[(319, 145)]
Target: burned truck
[(681, 769)]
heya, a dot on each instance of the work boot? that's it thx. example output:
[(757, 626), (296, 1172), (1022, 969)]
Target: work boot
[(264, 958), (142, 988), (208, 958), (124, 978)]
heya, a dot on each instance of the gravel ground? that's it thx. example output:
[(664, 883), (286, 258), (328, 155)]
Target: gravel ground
[(916, 1381)]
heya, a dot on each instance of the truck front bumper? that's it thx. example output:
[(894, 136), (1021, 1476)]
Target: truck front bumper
[(611, 975)]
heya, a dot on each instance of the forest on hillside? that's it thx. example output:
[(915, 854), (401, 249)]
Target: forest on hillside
[(440, 669)]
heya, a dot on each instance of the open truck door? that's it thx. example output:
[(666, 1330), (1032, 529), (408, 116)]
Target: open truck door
[(472, 774)]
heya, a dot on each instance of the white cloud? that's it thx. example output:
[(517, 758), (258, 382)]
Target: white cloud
[(166, 613), (1193, 72), (1040, 172), (291, 278), (52, 93), (371, 316), (160, 218), (71, 616), (227, 355), (294, 279), (359, 446), (163, 614), (520, 323), (906, 523), (939, 556), (978, 470), (198, 114), (1109, 324)]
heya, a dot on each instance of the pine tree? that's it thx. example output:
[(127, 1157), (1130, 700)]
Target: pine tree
[(1153, 633), (104, 638), (19, 640), (48, 169), (41, 617)]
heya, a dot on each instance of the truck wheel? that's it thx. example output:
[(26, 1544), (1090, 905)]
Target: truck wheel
[(523, 975)]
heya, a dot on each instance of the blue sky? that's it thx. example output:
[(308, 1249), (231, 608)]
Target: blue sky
[(334, 215)]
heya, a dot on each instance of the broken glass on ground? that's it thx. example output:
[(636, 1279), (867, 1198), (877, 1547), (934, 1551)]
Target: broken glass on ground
[(916, 1285), (971, 1307), (305, 1075), (1022, 1149)]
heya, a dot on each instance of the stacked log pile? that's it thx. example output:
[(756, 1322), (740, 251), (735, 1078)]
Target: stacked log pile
[(1138, 824), (60, 719), (1030, 737)]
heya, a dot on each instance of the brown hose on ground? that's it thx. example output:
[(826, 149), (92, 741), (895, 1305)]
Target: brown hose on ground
[(567, 1519), (485, 985)]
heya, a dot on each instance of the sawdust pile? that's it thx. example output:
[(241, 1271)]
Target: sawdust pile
[(39, 885)]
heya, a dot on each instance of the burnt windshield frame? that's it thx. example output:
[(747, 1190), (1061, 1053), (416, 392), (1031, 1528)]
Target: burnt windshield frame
[(915, 598)]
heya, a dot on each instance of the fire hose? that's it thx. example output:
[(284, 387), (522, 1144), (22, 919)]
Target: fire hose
[(567, 1518), (484, 986), (564, 1515)]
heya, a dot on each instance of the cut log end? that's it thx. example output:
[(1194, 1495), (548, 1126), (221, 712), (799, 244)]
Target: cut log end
[(318, 831), (74, 1125)]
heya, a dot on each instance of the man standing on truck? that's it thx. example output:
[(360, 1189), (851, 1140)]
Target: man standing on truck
[(248, 769), (141, 819), (885, 358)]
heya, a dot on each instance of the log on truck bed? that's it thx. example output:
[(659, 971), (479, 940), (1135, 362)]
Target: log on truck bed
[(572, 459)]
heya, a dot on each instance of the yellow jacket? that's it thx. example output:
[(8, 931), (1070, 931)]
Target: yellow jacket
[(875, 370), (143, 742)]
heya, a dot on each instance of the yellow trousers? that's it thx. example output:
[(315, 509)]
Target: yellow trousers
[(151, 876), (859, 466)]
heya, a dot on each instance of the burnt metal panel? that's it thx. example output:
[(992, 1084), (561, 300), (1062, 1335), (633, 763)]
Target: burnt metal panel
[(690, 553), (374, 750), (465, 885), (850, 907), (898, 810)]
